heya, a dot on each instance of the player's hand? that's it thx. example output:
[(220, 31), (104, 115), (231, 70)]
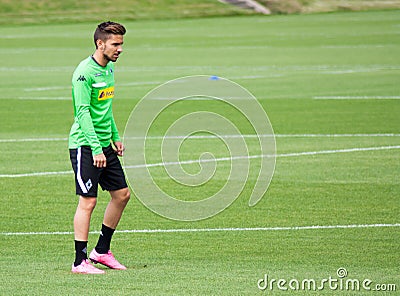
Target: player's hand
[(99, 160), (119, 148)]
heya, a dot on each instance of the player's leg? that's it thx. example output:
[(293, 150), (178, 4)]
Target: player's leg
[(86, 180), (112, 215), (101, 253), (116, 206), (113, 180), (82, 217)]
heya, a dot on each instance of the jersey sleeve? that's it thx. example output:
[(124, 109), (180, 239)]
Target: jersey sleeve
[(82, 88), (114, 131)]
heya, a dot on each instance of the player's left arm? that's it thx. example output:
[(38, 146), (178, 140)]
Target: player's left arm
[(116, 139)]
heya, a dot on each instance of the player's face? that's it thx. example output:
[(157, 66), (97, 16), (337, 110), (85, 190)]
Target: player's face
[(113, 47)]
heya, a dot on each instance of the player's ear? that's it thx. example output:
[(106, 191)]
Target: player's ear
[(100, 44)]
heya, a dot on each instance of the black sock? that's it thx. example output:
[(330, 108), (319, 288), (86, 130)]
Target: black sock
[(80, 252), (103, 245)]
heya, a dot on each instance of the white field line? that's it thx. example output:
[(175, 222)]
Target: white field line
[(47, 88), (307, 153), (33, 140), (36, 174), (38, 89), (215, 136), (294, 154), (263, 136), (357, 98), (192, 230), (56, 98), (261, 69), (45, 98)]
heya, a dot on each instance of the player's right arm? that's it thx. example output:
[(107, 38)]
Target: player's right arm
[(82, 90), (99, 160)]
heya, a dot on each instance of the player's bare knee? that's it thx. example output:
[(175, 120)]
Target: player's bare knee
[(125, 196), (122, 195), (87, 203)]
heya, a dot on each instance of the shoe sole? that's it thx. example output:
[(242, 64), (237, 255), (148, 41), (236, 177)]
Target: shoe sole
[(76, 272), (97, 262)]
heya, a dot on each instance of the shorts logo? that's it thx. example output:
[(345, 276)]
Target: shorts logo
[(106, 93), (89, 184)]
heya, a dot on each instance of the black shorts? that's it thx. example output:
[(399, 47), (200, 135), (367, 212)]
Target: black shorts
[(87, 176)]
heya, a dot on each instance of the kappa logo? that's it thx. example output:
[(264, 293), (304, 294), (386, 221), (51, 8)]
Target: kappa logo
[(81, 78)]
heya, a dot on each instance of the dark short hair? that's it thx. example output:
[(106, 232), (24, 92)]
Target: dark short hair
[(106, 29)]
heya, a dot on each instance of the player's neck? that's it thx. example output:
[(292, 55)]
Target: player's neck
[(99, 58)]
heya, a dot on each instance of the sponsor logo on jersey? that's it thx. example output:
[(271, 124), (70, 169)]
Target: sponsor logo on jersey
[(106, 93), (98, 74)]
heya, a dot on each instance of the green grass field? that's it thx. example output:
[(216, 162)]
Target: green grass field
[(330, 86)]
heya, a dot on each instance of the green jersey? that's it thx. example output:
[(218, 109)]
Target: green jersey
[(92, 94)]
